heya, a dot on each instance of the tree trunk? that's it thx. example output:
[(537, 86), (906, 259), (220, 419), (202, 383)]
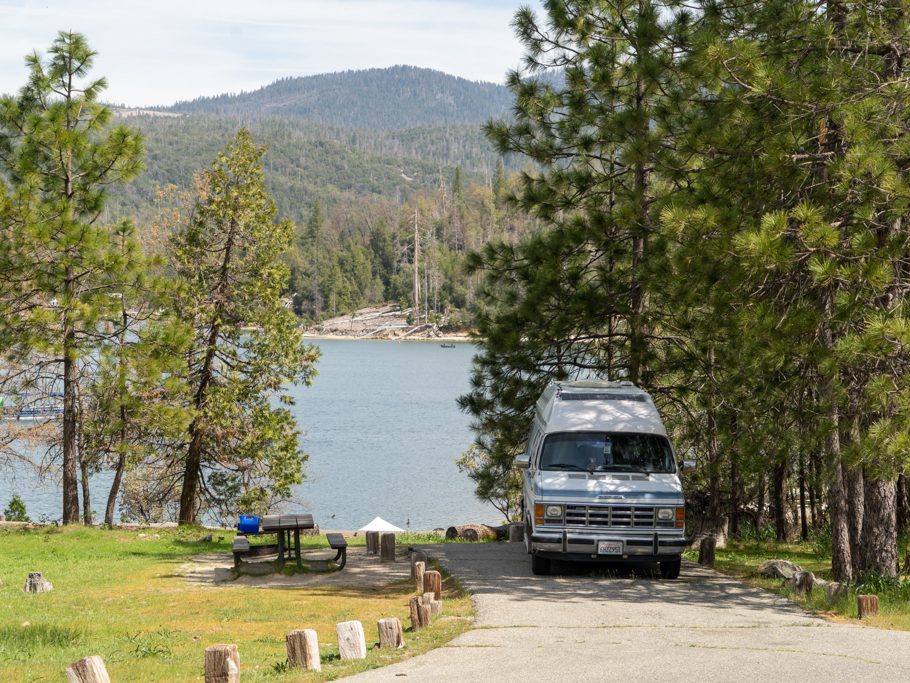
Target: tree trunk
[(70, 454), (803, 522), (902, 508), (780, 501), (86, 495), (878, 547), (856, 507), (760, 505), (734, 498), (115, 490), (841, 565)]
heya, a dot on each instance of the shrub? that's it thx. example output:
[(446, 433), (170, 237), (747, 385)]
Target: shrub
[(15, 510)]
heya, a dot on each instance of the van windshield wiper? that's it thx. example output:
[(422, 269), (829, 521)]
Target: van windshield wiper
[(564, 466), (623, 468)]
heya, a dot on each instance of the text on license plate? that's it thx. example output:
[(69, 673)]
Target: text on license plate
[(609, 547)]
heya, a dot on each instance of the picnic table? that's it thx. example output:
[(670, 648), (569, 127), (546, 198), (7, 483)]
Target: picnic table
[(287, 528)]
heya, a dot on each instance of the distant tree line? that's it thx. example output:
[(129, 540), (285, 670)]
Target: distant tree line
[(166, 364), (725, 190)]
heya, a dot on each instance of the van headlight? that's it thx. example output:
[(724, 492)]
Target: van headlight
[(554, 511), (665, 514)]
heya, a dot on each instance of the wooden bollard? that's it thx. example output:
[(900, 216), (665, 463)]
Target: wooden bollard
[(429, 599), (867, 605), (420, 613), (836, 591), (802, 582), (36, 583), (372, 543), (303, 649), (352, 643), (387, 548), (416, 557), (222, 664), (706, 551), (88, 670), (420, 571), (432, 581), (390, 633), (516, 532)]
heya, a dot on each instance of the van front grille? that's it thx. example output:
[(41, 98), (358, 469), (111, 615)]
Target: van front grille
[(610, 516)]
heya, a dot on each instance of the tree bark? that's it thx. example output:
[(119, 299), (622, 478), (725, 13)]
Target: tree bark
[(841, 564), (856, 506), (115, 490), (70, 454), (780, 501), (878, 547), (86, 493), (734, 499), (803, 522)]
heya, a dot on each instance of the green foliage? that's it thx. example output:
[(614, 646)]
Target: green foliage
[(241, 449), (15, 510)]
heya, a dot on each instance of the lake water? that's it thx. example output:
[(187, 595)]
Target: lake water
[(382, 430)]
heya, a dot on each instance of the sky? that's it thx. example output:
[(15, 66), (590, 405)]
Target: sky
[(156, 52)]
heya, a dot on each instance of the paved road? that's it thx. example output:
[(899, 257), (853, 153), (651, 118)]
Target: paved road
[(583, 627)]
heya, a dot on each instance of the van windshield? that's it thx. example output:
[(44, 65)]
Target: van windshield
[(607, 452)]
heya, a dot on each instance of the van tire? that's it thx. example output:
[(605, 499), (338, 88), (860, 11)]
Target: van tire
[(670, 570), (540, 566)]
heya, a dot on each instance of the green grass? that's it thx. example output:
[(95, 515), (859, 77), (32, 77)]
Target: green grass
[(740, 559), (124, 598)]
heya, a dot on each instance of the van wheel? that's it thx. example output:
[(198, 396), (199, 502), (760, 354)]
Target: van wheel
[(540, 566), (670, 570)]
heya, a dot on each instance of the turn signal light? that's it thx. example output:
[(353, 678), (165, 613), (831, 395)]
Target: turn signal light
[(680, 517), (538, 513)]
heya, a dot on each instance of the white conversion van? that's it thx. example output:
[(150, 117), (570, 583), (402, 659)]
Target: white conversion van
[(600, 480)]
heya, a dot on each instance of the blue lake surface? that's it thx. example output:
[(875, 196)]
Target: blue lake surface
[(382, 430)]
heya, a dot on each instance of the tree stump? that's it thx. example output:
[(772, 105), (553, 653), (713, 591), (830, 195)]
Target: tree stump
[(429, 599), (420, 613), (706, 551), (352, 643), (867, 605), (417, 556), (372, 543), (303, 649), (802, 582), (36, 583), (222, 664), (432, 581), (387, 548), (390, 633), (420, 571), (836, 591), (516, 532), (88, 670)]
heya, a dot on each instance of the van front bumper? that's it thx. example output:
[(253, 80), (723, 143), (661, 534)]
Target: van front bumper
[(640, 547)]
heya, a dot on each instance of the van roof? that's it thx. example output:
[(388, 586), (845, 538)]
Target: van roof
[(594, 406)]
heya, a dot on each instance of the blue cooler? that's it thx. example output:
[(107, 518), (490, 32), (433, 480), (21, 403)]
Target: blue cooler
[(249, 524)]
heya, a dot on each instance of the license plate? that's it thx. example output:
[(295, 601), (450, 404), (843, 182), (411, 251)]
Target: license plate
[(609, 547)]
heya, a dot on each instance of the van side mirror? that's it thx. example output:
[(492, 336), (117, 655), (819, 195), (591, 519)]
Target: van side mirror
[(687, 466), (523, 461)]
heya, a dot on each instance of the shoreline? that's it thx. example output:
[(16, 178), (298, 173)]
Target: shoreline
[(460, 338)]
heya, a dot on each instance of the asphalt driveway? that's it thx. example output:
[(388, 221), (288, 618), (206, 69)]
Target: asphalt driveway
[(584, 626)]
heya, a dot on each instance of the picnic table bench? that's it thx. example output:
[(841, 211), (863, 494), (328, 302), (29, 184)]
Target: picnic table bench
[(287, 529)]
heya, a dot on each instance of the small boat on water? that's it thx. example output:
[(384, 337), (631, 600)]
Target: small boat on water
[(447, 346)]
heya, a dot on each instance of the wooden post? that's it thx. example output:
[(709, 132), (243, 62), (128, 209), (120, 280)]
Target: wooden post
[(432, 581), (706, 551), (429, 599), (420, 570), (352, 643), (420, 613), (836, 591), (516, 532), (222, 664), (867, 605), (36, 583), (88, 670), (387, 548), (802, 582), (303, 649), (390, 633), (372, 543), (416, 557)]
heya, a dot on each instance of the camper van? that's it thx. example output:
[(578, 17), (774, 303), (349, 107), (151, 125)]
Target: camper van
[(600, 481)]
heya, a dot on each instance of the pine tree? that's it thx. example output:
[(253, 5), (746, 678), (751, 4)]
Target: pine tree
[(59, 153), (241, 452)]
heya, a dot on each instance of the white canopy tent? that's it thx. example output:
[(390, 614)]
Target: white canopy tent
[(379, 524)]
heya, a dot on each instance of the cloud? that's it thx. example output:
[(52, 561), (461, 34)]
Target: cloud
[(162, 51)]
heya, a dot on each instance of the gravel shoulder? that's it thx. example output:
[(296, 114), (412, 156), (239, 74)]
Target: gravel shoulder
[(629, 626)]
